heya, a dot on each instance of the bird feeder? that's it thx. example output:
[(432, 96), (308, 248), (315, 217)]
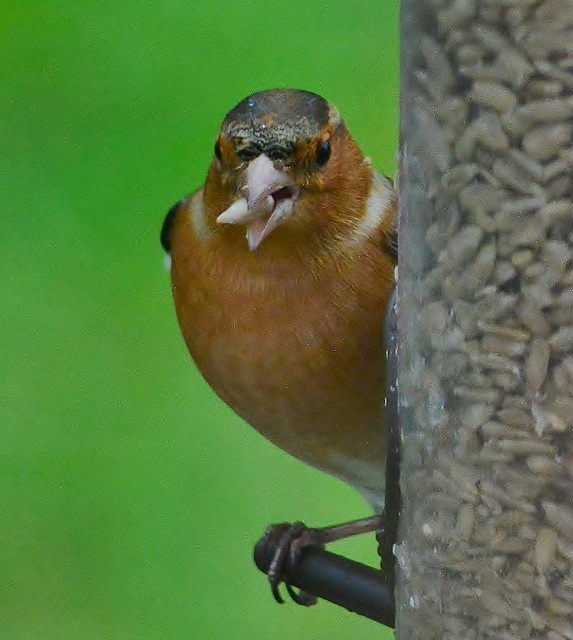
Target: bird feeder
[(485, 319)]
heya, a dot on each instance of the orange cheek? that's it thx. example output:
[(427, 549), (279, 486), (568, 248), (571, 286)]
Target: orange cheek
[(220, 191)]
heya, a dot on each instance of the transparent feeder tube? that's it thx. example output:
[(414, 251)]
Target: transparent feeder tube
[(486, 320)]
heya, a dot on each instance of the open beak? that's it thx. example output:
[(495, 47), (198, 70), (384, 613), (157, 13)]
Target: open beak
[(269, 199)]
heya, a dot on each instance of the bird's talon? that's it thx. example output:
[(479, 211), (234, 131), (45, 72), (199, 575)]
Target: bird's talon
[(276, 593), (303, 598)]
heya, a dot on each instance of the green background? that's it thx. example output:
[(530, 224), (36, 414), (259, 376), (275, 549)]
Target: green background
[(130, 496)]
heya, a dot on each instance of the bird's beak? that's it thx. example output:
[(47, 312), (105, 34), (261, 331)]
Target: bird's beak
[(269, 201)]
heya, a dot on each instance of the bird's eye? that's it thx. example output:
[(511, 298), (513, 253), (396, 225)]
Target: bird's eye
[(323, 153), (218, 153)]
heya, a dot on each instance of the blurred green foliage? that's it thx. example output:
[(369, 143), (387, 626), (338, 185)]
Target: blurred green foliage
[(130, 496)]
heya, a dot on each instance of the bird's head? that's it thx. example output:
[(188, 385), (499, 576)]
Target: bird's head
[(286, 167)]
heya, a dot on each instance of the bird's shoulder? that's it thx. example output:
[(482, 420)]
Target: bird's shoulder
[(379, 224), (189, 209)]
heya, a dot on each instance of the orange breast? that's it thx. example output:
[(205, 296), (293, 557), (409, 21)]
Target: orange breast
[(295, 350)]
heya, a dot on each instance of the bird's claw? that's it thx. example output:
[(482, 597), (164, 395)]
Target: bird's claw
[(303, 598), (293, 538)]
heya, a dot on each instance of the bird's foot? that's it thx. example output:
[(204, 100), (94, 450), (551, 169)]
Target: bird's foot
[(386, 537), (293, 538)]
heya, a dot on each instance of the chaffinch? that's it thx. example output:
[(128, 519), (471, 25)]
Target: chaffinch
[(282, 268)]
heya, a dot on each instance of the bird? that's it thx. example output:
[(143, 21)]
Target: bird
[(282, 268)]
